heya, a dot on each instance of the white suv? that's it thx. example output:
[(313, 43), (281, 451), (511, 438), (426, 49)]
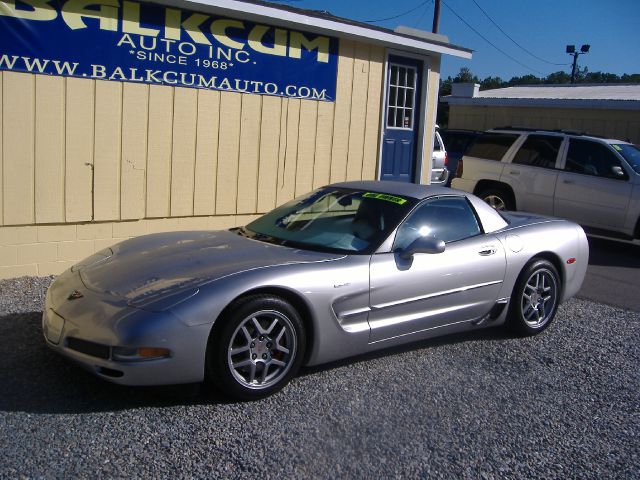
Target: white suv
[(439, 171), (590, 180)]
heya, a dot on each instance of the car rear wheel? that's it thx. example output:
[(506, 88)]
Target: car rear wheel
[(498, 199), (258, 349), (535, 298)]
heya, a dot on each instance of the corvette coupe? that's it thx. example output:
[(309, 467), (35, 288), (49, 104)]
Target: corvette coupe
[(346, 269)]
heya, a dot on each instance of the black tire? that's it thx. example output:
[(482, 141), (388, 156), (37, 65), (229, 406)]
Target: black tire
[(269, 341), (535, 297), (498, 198)]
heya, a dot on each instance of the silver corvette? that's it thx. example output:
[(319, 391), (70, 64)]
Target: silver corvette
[(347, 269)]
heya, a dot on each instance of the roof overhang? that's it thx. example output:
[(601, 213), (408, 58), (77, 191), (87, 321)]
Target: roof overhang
[(318, 22)]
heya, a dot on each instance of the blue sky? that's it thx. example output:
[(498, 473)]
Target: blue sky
[(541, 27)]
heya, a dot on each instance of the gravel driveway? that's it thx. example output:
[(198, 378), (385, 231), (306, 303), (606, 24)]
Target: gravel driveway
[(563, 404)]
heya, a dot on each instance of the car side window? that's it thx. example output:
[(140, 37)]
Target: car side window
[(456, 142), (539, 151), (436, 144), (446, 218), (593, 158), (492, 146)]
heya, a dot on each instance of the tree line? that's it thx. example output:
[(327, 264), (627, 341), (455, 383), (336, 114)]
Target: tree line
[(583, 75)]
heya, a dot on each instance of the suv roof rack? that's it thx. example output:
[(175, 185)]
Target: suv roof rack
[(557, 130), (531, 129)]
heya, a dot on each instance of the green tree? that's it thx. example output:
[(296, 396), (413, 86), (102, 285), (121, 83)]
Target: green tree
[(524, 80), (557, 78), (600, 77), (490, 83), (465, 76)]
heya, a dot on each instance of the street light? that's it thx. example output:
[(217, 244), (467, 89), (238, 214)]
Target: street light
[(571, 50)]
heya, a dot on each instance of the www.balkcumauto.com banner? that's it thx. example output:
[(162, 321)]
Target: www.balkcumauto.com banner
[(149, 43)]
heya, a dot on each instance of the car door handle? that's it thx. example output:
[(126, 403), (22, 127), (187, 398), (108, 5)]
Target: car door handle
[(514, 172), (486, 251), (569, 182)]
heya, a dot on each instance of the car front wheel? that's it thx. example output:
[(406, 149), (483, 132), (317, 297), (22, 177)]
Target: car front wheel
[(535, 298), (258, 349)]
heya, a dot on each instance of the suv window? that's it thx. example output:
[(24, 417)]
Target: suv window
[(592, 158), (631, 154), (457, 142), (447, 218), (492, 146), (539, 151)]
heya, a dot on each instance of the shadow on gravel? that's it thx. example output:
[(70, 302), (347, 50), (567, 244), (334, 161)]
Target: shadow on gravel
[(610, 253), (487, 334), (34, 379)]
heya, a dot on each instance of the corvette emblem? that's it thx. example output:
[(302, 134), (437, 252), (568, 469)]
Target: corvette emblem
[(75, 295)]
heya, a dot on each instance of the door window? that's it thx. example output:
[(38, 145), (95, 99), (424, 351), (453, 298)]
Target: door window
[(492, 146), (592, 158), (401, 98), (447, 218), (539, 151)]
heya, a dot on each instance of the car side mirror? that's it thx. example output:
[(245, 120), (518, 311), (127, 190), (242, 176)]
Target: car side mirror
[(422, 245)]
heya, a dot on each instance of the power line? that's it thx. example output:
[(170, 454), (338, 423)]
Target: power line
[(509, 37), (399, 15), (424, 12), (489, 42)]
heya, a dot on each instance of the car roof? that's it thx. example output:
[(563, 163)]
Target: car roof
[(399, 188), (490, 219), (461, 130), (570, 133)]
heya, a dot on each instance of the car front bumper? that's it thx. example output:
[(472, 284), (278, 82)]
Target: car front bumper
[(86, 330)]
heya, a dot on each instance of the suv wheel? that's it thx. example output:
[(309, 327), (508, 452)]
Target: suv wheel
[(498, 199)]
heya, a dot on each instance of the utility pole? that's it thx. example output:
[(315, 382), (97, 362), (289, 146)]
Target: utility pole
[(436, 16), (571, 50)]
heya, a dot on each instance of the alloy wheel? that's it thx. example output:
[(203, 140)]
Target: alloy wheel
[(539, 298), (262, 349)]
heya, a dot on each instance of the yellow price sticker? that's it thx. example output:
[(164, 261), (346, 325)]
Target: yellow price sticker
[(386, 197)]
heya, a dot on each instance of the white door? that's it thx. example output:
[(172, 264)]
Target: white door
[(533, 173), (432, 290), (593, 188)]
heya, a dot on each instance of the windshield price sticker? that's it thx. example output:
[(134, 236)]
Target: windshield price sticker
[(617, 147), (384, 196)]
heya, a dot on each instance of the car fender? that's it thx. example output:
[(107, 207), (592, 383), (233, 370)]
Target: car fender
[(561, 242), (335, 292)]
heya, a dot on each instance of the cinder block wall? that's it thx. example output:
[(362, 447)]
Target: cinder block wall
[(85, 163)]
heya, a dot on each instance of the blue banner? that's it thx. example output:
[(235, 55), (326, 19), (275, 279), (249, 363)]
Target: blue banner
[(155, 44)]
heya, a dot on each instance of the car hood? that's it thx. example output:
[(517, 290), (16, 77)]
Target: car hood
[(154, 266)]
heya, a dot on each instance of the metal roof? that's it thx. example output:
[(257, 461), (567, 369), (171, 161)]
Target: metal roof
[(322, 22), (583, 92), (616, 96)]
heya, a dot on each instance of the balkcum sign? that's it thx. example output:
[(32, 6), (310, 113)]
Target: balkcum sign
[(150, 43)]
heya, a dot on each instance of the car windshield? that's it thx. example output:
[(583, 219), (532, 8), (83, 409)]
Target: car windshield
[(334, 220), (631, 154)]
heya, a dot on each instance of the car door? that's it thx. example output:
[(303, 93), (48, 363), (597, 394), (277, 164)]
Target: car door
[(432, 290), (593, 188), (532, 173)]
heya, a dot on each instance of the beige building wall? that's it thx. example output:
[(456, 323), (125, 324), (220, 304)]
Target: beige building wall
[(621, 124), (431, 111), (86, 163)]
